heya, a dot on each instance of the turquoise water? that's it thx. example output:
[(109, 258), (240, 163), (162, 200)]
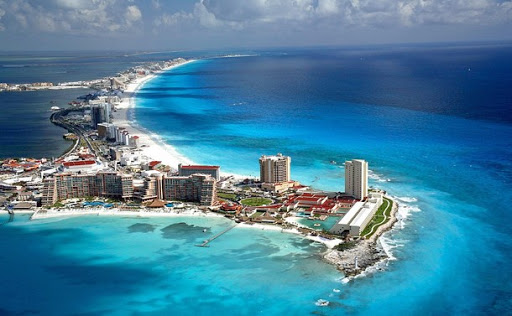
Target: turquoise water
[(437, 136), (120, 266)]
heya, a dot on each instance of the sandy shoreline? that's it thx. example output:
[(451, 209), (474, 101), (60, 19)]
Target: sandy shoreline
[(150, 145)]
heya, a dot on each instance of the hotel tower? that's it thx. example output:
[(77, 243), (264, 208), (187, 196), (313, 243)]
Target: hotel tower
[(275, 169), (356, 178)]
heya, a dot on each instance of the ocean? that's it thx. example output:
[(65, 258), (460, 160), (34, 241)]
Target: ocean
[(434, 123)]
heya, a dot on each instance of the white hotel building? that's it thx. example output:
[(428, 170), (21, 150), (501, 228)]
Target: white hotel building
[(356, 178)]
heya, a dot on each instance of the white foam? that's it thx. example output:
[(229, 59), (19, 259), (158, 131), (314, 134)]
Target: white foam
[(379, 178), (387, 247), (407, 199), (321, 302)]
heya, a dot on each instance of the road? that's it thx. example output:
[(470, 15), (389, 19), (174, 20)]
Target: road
[(57, 119)]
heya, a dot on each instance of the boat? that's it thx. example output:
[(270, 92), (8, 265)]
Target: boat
[(322, 302), (205, 230), (317, 225), (55, 108)]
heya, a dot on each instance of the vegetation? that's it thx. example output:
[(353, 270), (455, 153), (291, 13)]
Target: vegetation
[(256, 201), (228, 196), (378, 219), (58, 204), (346, 245)]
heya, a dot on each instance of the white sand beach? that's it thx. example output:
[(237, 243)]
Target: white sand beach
[(150, 144), (53, 213)]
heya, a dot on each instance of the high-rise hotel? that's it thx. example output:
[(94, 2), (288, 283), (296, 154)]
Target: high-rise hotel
[(275, 169), (356, 178)]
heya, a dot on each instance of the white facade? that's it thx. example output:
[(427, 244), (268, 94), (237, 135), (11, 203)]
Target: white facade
[(356, 178), (358, 217)]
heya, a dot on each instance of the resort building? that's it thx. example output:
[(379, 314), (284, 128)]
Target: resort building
[(213, 171), (100, 113), (275, 169), (279, 187), (107, 131), (80, 166), (199, 188), (358, 217), (103, 184), (356, 178)]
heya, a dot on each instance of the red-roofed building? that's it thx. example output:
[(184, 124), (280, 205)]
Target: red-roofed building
[(189, 170), (312, 203), (80, 166), (153, 164)]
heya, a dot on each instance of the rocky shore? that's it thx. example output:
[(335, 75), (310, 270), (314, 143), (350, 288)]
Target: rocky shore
[(366, 251)]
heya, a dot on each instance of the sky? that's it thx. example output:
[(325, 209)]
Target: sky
[(224, 24)]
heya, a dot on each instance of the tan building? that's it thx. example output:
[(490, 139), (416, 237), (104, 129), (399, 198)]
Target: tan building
[(356, 178), (194, 188), (274, 169), (104, 184)]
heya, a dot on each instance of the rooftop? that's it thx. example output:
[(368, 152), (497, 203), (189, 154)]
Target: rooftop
[(78, 163), (200, 167)]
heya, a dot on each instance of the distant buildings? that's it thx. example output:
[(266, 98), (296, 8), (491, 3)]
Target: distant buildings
[(275, 169), (356, 178), (213, 171), (100, 113), (106, 131)]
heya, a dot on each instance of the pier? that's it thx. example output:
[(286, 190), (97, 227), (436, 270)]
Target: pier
[(207, 241)]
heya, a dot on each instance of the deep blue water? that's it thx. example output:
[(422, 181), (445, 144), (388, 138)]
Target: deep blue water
[(24, 116), (434, 121)]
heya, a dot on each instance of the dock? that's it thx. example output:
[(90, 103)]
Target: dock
[(207, 241)]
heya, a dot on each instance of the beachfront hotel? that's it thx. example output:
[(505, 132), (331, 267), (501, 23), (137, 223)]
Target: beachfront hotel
[(103, 184), (189, 170), (356, 178), (201, 188), (275, 169)]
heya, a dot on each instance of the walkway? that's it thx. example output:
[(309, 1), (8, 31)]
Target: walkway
[(376, 226), (207, 241)]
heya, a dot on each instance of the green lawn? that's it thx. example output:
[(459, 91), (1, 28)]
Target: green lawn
[(256, 201), (227, 196), (384, 209)]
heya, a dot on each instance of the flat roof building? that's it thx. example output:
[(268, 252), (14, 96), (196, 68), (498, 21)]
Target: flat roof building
[(189, 170), (358, 217)]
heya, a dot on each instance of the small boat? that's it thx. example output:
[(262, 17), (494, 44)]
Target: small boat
[(205, 230), (54, 108), (317, 225), (322, 302)]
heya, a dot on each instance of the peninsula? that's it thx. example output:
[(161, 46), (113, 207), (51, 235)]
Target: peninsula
[(116, 167)]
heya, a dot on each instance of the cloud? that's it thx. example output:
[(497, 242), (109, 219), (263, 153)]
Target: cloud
[(95, 17), (240, 14), (75, 4), (132, 14), (172, 19), (104, 17)]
